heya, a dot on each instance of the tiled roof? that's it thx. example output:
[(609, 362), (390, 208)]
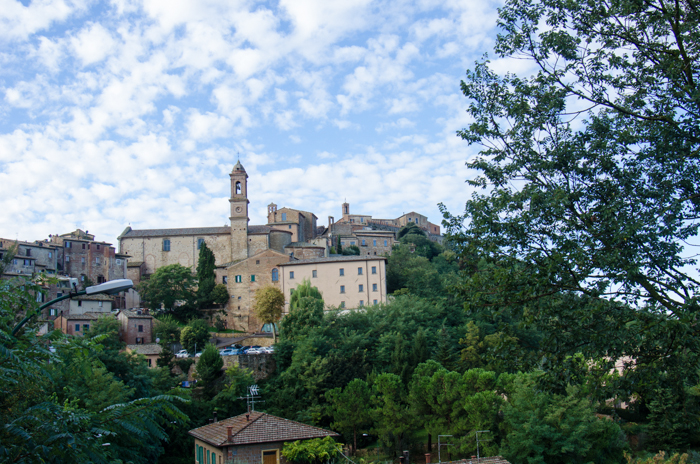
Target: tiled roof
[(172, 232), (133, 314), (334, 259), (86, 316), (134, 263), (93, 297), (257, 230), (148, 348), (260, 428)]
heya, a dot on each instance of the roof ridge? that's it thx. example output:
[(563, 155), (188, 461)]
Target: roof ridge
[(248, 423)]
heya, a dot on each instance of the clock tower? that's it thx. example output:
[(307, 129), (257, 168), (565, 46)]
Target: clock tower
[(239, 212)]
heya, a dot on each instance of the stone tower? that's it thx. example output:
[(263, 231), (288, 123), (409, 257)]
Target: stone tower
[(346, 210), (239, 212)]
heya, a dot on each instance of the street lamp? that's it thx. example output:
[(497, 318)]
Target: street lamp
[(109, 288)]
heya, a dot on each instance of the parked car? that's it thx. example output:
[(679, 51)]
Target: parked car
[(182, 354), (198, 354), (228, 352), (246, 349), (255, 351), (268, 349)]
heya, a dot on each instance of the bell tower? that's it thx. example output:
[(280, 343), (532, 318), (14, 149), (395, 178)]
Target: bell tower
[(239, 212)]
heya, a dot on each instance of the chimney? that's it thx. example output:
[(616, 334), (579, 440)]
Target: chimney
[(247, 417), (216, 419), (211, 421), (229, 432), (427, 458)]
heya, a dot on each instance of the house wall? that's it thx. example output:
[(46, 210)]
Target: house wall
[(67, 326), (293, 228), (329, 281), (306, 252), (183, 250), (239, 314), (280, 239), (130, 329), (369, 247), (83, 257), (88, 306), (250, 454)]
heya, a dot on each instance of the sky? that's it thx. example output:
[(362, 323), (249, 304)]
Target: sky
[(133, 113)]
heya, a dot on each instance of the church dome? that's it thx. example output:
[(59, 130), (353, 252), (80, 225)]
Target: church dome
[(239, 166)]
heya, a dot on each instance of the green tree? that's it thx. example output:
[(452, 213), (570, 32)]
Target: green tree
[(195, 334), (268, 306), (589, 168), (410, 229), (208, 371), (392, 416), (552, 428), (304, 289), (169, 287), (220, 294), (206, 276), (350, 407), (351, 250), (314, 451)]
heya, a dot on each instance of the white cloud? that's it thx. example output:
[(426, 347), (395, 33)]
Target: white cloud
[(92, 44)]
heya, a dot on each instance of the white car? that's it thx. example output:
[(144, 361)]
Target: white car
[(198, 354), (182, 354), (269, 349), (255, 351)]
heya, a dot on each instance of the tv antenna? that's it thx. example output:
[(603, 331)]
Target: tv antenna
[(252, 397)]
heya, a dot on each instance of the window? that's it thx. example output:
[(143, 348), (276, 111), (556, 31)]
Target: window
[(119, 261), (374, 242), (14, 261), (80, 303), (314, 273), (410, 220), (363, 242), (342, 289), (82, 260), (252, 277), (291, 292), (67, 259), (385, 243), (291, 274), (82, 278), (257, 261), (83, 246), (374, 287), (86, 327), (29, 251), (77, 327), (290, 226), (359, 271), (374, 269), (98, 247), (239, 279), (374, 301), (149, 363), (58, 294), (352, 243), (361, 288), (140, 328), (52, 311), (342, 304), (68, 245), (362, 219), (100, 303), (166, 244), (275, 275), (200, 242), (362, 303), (284, 216), (50, 254), (238, 188), (342, 271), (27, 262), (97, 260), (224, 279)]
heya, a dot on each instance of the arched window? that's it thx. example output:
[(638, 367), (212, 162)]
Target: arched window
[(238, 188), (275, 275)]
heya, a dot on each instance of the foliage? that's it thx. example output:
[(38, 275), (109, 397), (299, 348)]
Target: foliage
[(166, 329), (7, 257), (208, 370), (410, 229), (196, 333), (73, 407), (304, 289), (206, 277), (350, 409), (314, 451), (660, 458), (219, 295), (551, 428), (393, 418), (351, 250), (235, 385), (169, 287), (268, 306)]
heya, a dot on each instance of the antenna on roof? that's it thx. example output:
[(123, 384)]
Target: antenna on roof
[(251, 397)]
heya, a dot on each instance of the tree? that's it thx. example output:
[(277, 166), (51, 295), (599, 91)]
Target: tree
[(206, 277), (220, 294), (304, 289), (350, 408), (313, 451), (589, 169), (268, 306), (168, 287), (351, 250), (410, 229), (392, 416), (208, 370), (196, 333)]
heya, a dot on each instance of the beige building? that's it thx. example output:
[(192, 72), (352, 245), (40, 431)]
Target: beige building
[(302, 224), (344, 281), (97, 303)]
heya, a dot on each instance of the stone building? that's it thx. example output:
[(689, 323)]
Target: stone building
[(251, 438), (344, 281), (303, 224), (81, 256), (96, 303), (75, 324), (136, 327)]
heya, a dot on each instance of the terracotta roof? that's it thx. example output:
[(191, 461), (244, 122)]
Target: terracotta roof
[(259, 230), (261, 428), (333, 259), (85, 316), (148, 348), (172, 232), (93, 297)]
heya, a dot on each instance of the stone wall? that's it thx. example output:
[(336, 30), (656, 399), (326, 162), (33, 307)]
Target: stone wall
[(262, 365)]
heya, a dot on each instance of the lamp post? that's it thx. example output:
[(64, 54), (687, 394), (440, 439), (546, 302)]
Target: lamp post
[(109, 288)]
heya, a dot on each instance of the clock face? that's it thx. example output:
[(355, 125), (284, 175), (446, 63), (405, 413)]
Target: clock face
[(238, 209)]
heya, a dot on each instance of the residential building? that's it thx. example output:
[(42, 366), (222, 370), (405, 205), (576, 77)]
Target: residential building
[(136, 327), (251, 438), (91, 261), (302, 224), (150, 351), (96, 303), (344, 281), (75, 324)]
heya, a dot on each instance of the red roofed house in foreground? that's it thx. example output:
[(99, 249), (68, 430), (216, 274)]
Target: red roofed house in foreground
[(251, 438)]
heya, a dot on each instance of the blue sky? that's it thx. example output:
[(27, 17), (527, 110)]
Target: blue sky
[(124, 112)]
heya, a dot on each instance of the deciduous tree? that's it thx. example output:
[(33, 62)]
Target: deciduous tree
[(268, 306)]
